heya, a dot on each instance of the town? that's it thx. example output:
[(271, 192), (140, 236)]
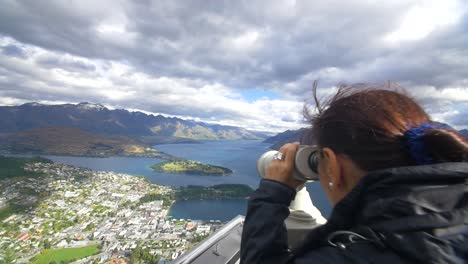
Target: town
[(99, 213)]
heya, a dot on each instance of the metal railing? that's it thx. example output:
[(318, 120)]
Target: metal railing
[(221, 247)]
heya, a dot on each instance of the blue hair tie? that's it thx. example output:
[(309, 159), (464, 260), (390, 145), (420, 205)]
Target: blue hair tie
[(415, 144)]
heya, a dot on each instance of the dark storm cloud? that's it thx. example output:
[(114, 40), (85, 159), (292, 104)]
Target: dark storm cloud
[(316, 36), (49, 24), (189, 40), (273, 45)]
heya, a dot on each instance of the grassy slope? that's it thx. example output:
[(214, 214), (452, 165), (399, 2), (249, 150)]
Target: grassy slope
[(66, 254)]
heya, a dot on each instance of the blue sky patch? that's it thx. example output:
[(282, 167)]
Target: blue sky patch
[(252, 95)]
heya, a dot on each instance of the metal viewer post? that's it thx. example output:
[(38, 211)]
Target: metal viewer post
[(303, 217)]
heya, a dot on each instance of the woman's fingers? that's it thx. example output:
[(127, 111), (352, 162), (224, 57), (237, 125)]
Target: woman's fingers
[(282, 170), (289, 150)]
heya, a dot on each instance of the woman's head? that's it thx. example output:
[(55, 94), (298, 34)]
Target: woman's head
[(362, 128)]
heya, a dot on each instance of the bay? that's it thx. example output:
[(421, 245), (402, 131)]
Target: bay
[(238, 155)]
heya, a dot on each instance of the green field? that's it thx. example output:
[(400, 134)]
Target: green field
[(65, 254)]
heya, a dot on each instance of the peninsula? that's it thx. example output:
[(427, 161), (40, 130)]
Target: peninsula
[(191, 167)]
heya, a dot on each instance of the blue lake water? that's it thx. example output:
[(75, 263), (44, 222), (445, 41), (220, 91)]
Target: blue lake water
[(238, 155)]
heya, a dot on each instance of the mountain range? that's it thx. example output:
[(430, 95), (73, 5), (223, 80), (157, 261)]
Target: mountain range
[(97, 119), (94, 130), (87, 129)]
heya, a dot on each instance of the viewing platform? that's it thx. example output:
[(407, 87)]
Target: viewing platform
[(223, 247)]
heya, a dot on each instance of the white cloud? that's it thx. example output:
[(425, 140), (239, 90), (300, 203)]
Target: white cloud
[(193, 59), (9, 101), (425, 17), (244, 42)]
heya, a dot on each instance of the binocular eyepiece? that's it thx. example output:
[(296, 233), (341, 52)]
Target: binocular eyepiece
[(305, 163)]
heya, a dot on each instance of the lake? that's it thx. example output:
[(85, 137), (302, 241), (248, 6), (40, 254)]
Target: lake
[(238, 155)]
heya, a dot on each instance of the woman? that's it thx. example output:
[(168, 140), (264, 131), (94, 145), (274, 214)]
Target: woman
[(397, 182)]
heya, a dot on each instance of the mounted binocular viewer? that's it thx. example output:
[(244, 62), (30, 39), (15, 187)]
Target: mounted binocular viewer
[(305, 167), (303, 216)]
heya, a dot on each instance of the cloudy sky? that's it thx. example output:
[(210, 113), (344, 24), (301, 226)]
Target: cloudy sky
[(245, 63)]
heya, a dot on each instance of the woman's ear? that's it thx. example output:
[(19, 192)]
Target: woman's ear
[(339, 174), (332, 167)]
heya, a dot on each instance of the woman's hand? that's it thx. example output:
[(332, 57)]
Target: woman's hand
[(282, 170)]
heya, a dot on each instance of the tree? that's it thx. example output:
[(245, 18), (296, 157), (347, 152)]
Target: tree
[(46, 244), (9, 257), (140, 255)]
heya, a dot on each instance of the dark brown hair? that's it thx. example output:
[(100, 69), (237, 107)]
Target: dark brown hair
[(367, 122)]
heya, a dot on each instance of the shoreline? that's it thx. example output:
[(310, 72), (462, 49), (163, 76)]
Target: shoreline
[(164, 155), (204, 212), (166, 214), (111, 203), (202, 192)]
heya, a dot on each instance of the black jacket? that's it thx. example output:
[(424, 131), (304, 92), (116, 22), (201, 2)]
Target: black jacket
[(413, 214)]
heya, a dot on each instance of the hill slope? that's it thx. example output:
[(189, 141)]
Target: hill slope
[(287, 136), (98, 119), (75, 142), (464, 132)]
